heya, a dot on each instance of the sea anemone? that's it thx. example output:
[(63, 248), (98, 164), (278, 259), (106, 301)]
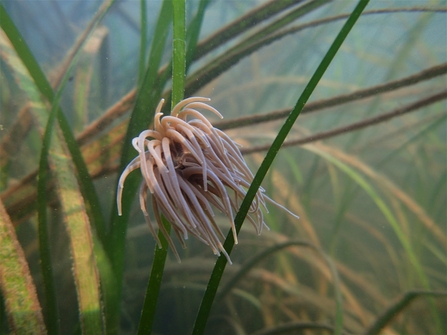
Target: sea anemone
[(190, 167)]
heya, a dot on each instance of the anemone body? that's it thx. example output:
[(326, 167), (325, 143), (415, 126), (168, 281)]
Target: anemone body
[(191, 169)]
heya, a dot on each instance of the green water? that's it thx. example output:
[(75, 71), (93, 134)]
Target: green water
[(364, 166)]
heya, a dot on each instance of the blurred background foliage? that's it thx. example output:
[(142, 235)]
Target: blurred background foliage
[(364, 166)]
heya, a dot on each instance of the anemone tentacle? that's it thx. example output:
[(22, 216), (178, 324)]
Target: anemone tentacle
[(189, 167)]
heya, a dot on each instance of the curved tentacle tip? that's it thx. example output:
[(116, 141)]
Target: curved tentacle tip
[(191, 164)]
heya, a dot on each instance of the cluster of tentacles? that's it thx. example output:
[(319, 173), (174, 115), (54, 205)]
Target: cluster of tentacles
[(190, 167)]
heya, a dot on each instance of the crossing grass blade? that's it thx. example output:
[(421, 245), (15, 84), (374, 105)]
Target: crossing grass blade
[(213, 284)]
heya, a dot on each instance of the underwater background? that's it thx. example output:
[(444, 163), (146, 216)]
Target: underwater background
[(364, 166)]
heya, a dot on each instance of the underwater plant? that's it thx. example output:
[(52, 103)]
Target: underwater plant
[(364, 167)]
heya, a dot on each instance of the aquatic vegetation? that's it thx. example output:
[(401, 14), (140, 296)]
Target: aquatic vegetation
[(363, 165)]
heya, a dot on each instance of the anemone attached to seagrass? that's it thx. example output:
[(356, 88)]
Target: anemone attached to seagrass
[(191, 169)]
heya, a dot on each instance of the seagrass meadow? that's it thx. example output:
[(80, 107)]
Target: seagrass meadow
[(121, 214)]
